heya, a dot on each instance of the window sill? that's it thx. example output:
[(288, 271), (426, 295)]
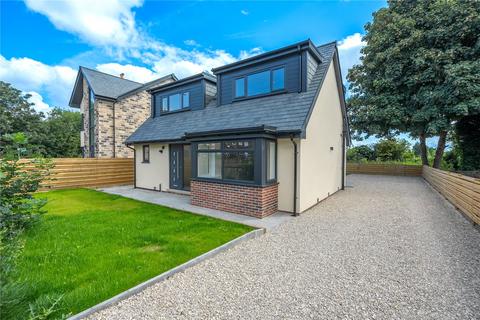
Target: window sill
[(235, 182), (176, 111), (273, 93), (145, 161)]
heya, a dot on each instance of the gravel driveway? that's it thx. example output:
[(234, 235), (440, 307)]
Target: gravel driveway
[(386, 248)]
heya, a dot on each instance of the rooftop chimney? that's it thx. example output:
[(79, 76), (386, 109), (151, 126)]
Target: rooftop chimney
[(122, 75)]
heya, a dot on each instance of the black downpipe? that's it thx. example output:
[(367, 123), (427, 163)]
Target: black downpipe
[(134, 166), (295, 213), (344, 139), (114, 142)]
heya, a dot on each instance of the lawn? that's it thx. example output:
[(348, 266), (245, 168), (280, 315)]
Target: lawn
[(91, 246)]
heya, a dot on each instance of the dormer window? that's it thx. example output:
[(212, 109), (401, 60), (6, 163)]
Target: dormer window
[(260, 83), (175, 102)]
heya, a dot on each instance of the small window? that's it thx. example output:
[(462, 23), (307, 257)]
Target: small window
[(174, 102), (278, 79), (258, 83), (146, 153), (240, 87), (164, 104), (271, 164), (186, 100)]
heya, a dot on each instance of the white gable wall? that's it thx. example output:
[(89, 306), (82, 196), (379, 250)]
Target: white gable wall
[(320, 169)]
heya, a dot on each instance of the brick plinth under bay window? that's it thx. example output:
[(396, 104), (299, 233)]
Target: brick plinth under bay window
[(252, 201)]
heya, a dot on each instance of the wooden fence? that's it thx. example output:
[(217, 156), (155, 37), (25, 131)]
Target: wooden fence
[(387, 169), (90, 173), (462, 191)]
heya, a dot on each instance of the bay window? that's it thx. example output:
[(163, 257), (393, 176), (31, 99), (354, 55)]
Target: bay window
[(239, 161)]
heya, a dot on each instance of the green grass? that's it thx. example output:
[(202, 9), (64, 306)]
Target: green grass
[(91, 246)]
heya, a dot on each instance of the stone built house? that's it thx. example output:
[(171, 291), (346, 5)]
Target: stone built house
[(263, 134), (112, 109)]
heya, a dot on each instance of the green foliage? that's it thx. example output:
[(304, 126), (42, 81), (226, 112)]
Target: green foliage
[(420, 69), (361, 154), (18, 211), (91, 246), (53, 135), (62, 134), (391, 150), (467, 142)]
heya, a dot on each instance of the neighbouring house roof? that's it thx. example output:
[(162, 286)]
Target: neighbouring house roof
[(286, 113), (200, 76), (108, 86)]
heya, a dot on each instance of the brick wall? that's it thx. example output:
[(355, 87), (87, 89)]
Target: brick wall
[(247, 200)]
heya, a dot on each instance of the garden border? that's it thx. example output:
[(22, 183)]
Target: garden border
[(167, 274)]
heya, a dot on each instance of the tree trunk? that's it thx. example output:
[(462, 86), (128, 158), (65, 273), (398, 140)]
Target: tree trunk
[(423, 149), (440, 148)]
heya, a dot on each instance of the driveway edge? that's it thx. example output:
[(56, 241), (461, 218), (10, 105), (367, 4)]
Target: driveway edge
[(167, 274)]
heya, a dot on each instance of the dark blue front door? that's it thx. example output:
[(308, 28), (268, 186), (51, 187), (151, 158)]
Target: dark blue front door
[(180, 166)]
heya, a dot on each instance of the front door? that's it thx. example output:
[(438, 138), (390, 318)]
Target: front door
[(180, 166)]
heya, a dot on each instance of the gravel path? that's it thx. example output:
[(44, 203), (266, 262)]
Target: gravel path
[(388, 248)]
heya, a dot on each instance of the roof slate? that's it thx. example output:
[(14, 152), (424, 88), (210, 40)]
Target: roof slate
[(287, 112), (106, 85)]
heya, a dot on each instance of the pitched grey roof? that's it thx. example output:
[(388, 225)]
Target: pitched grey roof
[(106, 85), (287, 112)]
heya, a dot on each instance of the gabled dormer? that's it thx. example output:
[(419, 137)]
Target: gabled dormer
[(286, 70), (191, 93)]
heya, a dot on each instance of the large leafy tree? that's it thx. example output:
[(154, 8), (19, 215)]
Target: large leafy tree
[(419, 72), (53, 135)]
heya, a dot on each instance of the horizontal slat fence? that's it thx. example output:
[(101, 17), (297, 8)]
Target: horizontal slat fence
[(462, 191), (90, 173), (387, 169)]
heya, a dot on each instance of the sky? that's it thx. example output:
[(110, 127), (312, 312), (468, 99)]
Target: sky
[(43, 42)]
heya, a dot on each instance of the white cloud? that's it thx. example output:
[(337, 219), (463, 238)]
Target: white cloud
[(349, 51), (134, 73), (244, 12), (39, 104), (30, 75), (191, 42), (99, 22)]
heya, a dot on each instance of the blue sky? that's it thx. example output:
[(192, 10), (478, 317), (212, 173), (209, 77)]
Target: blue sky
[(42, 43)]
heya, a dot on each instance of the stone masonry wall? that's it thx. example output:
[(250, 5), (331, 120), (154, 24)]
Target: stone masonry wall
[(130, 113), (253, 201)]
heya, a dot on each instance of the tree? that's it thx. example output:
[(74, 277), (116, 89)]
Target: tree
[(53, 135), (17, 115), (391, 150), (419, 72), (467, 142), (361, 153), (62, 134)]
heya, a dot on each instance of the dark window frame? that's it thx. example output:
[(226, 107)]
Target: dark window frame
[(91, 123), (161, 97), (267, 160), (245, 84), (146, 159), (258, 150)]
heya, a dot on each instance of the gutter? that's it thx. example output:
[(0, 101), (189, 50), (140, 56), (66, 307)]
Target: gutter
[(114, 142), (295, 213), (134, 166)]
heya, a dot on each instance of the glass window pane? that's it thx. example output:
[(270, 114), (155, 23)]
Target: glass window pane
[(258, 83), (271, 160), (209, 165), (146, 153), (174, 102), (209, 146), (186, 100), (238, 165), (240, 87), (164, 104), (278, 79), (239, 145)]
